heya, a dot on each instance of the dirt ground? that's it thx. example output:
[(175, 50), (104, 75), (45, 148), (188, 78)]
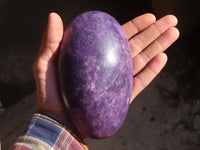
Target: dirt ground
[(165, 116)]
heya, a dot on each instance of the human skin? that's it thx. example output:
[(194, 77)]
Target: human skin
[(148, 39)]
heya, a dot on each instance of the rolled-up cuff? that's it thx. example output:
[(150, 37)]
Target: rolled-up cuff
[(44, 132)]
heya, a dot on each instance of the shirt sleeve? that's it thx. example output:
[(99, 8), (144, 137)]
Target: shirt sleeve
[(45, 133)]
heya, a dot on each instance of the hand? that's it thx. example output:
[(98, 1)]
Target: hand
[(148, 40), (146, 49)]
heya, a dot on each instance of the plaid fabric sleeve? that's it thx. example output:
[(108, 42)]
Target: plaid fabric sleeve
[(44, 133)]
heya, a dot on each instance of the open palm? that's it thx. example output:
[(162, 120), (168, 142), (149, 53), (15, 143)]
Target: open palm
[(147, 37), (148, 40)]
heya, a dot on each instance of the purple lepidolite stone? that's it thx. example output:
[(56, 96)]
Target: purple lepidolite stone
[(95, 74)]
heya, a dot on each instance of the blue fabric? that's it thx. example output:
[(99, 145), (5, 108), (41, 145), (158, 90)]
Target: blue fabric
[(46, 133), (44, 130)]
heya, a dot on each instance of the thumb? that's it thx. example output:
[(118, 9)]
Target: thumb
[(51, 39)]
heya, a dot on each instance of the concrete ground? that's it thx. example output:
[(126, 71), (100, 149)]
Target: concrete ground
[(165, 116)]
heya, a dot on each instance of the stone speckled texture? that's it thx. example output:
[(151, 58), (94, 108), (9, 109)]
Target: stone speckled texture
[(179, 81), (96, 74)]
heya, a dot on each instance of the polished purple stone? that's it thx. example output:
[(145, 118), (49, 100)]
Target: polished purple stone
[(95, 74)]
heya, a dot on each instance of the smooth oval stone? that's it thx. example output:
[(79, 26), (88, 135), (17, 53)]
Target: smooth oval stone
[(95, 74)]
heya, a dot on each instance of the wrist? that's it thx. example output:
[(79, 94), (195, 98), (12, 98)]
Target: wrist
[(57, 117), (63, 118)]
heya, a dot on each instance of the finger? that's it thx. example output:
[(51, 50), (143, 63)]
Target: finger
[(148, 74), (50, 44), (52, 37), (158, 46), (138, 24), (142, 40)]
